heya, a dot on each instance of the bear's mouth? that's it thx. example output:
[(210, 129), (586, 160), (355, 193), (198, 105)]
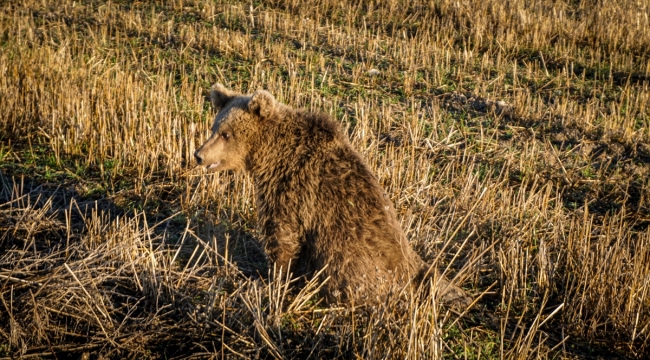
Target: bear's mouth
[(213, 166)]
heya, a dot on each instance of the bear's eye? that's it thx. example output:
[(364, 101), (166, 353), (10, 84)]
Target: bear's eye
[(225, 135)]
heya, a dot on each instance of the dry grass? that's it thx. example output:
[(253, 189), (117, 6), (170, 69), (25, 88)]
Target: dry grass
[(513, 137)]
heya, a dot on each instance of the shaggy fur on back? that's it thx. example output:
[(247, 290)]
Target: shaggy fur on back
[(319, 205)]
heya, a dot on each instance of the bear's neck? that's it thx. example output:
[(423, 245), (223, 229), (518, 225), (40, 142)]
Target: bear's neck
[(291, 144), (274, 152)]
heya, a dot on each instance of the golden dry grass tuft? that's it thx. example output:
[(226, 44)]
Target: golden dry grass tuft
[(513, 137)]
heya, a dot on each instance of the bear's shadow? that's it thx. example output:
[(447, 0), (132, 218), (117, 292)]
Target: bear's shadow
[(238, 248)]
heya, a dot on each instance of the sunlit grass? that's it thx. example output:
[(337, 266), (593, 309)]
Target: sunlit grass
[(512, 136)]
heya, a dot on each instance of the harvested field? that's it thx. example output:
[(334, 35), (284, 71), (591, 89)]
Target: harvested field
[(512, 136)]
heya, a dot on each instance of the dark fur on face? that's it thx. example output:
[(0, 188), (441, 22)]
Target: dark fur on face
[(318, 204)]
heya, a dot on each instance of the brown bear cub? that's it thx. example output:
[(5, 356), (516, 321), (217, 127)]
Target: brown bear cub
[(318, 204)]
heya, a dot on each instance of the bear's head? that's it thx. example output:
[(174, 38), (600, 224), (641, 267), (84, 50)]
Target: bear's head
[(236, 128)]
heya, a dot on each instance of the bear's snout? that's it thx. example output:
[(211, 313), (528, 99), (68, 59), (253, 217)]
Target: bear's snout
[(198, 157)]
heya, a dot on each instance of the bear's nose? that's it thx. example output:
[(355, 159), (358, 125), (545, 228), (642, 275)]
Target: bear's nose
[(198, 157)]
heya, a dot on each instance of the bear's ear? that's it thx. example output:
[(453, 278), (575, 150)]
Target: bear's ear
[(262, 103), (220, 96)]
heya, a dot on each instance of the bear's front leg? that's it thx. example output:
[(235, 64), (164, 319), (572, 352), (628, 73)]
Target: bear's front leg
[(281, 244)]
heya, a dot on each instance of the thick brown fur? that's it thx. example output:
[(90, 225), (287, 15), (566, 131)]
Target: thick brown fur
[(318, 204)]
